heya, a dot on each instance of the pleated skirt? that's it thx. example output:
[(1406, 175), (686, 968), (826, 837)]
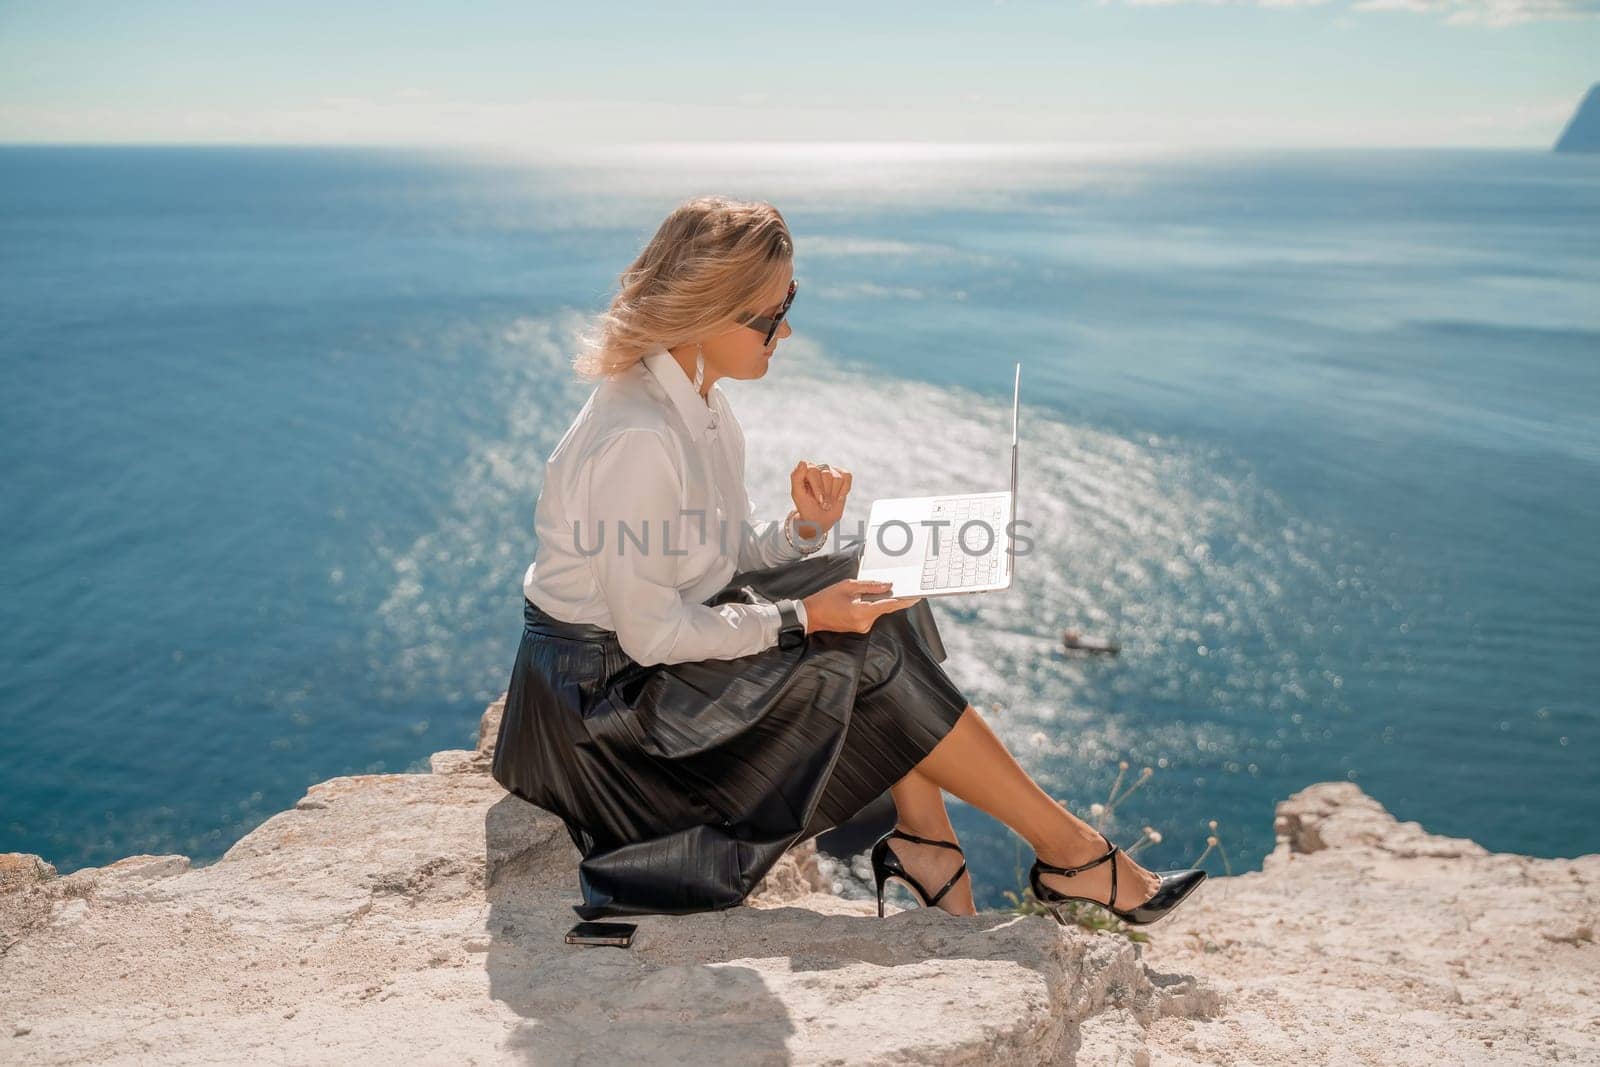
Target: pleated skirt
[(683, 783)]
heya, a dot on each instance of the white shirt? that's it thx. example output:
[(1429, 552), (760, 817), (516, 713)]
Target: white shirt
[(648, 453)]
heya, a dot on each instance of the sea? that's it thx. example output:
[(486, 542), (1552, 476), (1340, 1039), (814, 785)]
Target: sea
[(1310, 433)]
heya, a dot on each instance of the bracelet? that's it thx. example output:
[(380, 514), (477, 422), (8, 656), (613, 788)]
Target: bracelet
[(807, 548)]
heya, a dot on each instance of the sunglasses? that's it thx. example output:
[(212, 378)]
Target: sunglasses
[(769, 326)]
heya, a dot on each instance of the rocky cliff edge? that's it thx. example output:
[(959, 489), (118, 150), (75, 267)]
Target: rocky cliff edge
[(418, 918)]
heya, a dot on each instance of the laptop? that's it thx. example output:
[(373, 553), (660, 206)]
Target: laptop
[(938, 560)]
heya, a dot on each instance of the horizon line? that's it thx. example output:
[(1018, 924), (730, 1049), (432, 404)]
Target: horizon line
[(744, 146)]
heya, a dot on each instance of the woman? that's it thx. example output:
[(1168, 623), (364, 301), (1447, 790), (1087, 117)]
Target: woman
[(694, 705)]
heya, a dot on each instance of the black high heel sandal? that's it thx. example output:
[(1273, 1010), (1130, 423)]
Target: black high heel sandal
[(886, 865), (1174, 889)]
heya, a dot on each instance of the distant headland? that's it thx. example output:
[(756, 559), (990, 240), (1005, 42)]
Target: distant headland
[(1583, 129)]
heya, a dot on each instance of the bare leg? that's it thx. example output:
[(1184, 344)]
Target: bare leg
[(919, 805), (973, 764)]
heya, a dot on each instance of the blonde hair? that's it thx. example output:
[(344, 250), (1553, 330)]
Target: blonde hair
[(708, 262)]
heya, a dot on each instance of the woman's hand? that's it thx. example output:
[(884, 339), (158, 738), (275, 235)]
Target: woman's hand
[(840, 607), (819, 493)]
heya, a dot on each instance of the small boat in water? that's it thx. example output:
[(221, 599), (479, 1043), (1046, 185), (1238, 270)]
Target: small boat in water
[(1085, 643)]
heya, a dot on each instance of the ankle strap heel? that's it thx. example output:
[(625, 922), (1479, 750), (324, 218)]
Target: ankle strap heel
[(886, 865), (1176, 886)]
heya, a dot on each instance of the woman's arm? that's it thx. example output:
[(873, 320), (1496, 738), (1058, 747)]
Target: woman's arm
[(631, 480), (768, 547), (765, 545)]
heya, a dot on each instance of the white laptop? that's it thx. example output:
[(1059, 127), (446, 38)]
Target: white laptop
[(926, 560)]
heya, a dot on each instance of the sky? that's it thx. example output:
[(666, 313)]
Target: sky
[(531, 75)]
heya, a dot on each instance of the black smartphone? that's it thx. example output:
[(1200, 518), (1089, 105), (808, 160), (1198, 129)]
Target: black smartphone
[(619, 934)]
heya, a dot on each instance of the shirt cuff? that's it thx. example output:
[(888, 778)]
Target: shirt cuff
[(800, 609), (771, 622), (782, 550)]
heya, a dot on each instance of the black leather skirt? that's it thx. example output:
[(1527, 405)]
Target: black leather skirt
[(683, 783)]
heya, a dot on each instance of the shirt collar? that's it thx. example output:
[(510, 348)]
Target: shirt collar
[(697, 415)]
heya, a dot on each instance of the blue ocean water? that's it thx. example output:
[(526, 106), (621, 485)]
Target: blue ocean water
[(1311, 433)]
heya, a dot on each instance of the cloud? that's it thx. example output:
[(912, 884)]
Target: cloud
[(1493, 13), (1173, 3), (1490, 12), (1530, 119)]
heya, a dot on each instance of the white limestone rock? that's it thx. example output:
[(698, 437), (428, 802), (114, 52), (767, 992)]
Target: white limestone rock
[(418, 918)]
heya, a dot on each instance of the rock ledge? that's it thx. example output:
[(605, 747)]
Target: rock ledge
[(419, 917)]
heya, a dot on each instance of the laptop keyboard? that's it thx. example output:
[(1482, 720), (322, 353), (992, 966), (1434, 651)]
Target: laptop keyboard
[(954, 566)]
